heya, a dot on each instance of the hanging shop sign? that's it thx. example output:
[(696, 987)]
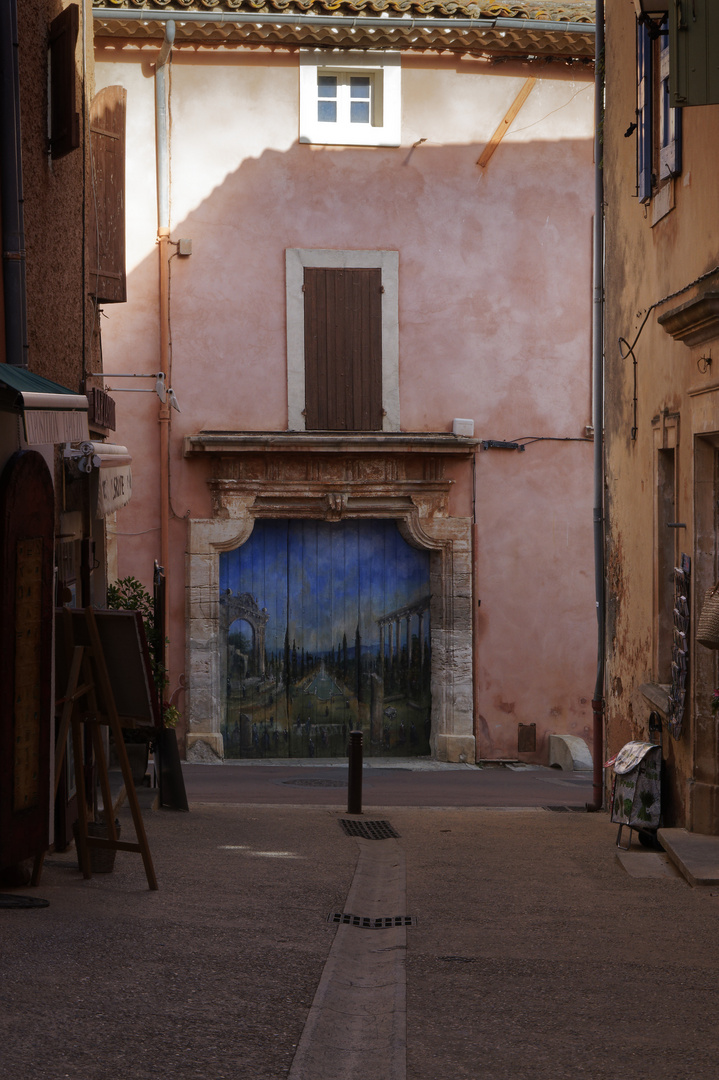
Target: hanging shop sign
[(114, 477), (114, 489)]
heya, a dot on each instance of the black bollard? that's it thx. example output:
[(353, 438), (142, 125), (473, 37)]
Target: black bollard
[(354, 780)]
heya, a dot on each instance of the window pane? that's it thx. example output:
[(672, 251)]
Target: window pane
[(359, 112), (359, 87), (327, 86), (327, 112)]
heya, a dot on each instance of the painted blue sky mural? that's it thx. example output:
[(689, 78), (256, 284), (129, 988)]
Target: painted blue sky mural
[(318, 580)]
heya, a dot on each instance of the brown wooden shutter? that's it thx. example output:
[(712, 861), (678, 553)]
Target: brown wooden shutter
[(343, 349), (106, 237), (64, 117)]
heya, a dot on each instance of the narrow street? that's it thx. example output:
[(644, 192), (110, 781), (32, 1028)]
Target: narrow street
[(531, 952)]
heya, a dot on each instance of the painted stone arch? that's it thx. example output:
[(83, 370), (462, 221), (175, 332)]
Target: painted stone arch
[(244, 607)]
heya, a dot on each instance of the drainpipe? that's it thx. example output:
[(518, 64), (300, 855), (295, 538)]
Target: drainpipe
[(598, 417), (162, 137), (475, 612), (11, 206)]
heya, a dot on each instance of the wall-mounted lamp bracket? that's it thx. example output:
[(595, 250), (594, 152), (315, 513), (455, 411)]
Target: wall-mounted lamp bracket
[(499, 444)]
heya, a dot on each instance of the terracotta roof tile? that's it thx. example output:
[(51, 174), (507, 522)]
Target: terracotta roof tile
[(566, 12), (520, 30)]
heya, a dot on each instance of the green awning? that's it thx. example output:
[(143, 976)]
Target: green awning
[(51, 413)]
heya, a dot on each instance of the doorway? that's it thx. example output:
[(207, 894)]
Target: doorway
[(325, 628)]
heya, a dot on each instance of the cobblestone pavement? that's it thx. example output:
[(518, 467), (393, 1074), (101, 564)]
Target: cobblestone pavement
[(536, 955)]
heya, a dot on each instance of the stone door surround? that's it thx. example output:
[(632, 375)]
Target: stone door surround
[(332, 477)]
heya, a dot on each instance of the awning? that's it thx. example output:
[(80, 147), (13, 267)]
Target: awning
[(51, 413)]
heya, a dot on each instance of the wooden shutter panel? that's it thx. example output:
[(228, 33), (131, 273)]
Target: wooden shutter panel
[(644, 113), (343, 349), (64, 117), (670, 149), (107, 199)]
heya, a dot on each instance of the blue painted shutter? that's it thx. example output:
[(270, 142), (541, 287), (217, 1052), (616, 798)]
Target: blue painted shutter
[(644, 113), (670, 147)]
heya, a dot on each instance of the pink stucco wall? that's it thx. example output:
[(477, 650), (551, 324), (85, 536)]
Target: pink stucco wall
[(494, 316)]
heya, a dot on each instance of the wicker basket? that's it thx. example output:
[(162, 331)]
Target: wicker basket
[(708, 623), (102, 860)]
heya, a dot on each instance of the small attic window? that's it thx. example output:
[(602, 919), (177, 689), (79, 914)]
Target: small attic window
[(350, 99)]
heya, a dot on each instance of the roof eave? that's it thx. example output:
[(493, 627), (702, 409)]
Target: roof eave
[(509, 37)]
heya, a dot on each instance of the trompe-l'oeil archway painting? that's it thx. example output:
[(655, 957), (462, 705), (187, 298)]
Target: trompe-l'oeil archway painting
[(324, 630)]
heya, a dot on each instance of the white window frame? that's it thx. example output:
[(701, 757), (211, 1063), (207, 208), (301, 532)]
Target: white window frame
[(296, 259), (385, 69)]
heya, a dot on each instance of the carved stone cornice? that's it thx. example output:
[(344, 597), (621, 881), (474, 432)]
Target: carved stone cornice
[(695, 322), (328, 476), (323, 442)]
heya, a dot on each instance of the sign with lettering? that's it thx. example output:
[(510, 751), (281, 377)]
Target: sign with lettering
[(46, 426), (114, 489)]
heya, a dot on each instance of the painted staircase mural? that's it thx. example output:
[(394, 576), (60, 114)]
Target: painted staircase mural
[(325, 628)]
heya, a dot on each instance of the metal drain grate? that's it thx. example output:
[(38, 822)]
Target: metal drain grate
[(369, 830), (384, 922), (316, 783), (566, 809)]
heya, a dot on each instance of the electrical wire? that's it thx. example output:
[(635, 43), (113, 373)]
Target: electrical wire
[(527, 440), (515, 131), (623, 343)]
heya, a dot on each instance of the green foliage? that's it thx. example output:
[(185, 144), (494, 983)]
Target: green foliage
[(170, 716), (129, 594)]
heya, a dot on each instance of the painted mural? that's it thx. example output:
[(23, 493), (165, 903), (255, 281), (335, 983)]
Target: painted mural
[(325, 629)]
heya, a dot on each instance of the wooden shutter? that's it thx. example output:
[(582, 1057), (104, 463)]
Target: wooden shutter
[(106, 231), (670, 147), (644, 113), (343, 349), (64, 117)]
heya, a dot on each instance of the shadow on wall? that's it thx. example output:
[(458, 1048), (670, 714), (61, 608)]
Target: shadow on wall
[(489, 266)]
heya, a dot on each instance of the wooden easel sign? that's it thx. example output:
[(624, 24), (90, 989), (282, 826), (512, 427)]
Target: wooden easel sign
[(107, 679), (126, 657)]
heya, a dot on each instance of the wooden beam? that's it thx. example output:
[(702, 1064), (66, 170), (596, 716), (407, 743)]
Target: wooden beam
[(504, 125)]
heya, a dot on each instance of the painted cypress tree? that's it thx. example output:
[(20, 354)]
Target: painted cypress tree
[(358, 662)]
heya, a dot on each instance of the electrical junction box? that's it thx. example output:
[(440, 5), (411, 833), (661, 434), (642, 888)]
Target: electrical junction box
[(184, 247), (463, 427), (693, 53)]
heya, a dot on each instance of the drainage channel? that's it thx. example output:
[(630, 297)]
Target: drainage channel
[(357, 1025)]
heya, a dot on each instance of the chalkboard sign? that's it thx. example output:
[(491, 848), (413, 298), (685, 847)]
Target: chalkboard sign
[(127, 659)]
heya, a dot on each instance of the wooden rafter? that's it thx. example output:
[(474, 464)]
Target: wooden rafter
[(505, 123)]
